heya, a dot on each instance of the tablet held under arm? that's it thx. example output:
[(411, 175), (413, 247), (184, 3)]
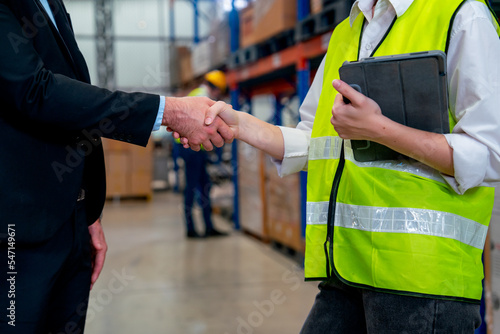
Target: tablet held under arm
[(410, 89)]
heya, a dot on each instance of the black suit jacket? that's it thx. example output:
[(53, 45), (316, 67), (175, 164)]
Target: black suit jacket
[(51, 122)]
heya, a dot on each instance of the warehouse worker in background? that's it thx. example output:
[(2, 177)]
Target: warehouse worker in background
[(52, 165), (403, 251), (197, 180)]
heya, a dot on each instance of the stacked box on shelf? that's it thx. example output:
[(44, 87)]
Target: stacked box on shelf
[(284, 210), (129, 169), (185, 66), (251, 191), (272, 17), (246, 27), (181, 71), (316, 6), (116, 173)]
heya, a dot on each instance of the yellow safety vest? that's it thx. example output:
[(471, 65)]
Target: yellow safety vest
[(200, 91), (398, 226)]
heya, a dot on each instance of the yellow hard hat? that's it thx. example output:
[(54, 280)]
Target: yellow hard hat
[(218, 79)]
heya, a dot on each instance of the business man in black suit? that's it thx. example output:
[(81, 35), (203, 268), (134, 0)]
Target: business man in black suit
[(52, 181)]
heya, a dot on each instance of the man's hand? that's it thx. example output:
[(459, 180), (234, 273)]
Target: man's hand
[(99, 248), (186, 116), (220, 110)]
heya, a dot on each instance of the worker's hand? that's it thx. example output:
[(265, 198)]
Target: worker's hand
[(361, 119), (99, 248), (186, 116), (226, 113), (219, 110)]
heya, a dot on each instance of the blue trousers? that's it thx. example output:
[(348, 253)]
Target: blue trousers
[(197, 183), (339, 308)]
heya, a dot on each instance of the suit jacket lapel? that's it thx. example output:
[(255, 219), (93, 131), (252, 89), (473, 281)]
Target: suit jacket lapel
[(64, 35)]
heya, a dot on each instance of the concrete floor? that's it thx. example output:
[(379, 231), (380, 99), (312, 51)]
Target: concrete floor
[(157, 281)]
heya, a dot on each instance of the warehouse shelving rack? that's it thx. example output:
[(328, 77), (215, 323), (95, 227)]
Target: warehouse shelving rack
[(281, 65)]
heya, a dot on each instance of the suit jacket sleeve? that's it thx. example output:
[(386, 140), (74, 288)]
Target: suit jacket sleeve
[(58, 102)]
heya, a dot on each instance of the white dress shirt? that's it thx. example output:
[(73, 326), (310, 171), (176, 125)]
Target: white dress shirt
[(474, 92)]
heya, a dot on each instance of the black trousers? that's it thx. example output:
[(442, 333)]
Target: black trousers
[(339, 308), (48, 290), (197, 180)]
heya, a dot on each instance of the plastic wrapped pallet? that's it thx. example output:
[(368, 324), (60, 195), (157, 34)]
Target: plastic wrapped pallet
[(220, 34), (174, 71), (202, 57)]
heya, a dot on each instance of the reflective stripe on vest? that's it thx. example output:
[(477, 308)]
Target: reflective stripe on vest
[(401, 220), (398, 226), (324, 148)]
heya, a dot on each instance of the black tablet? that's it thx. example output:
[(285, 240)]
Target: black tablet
[(410, 89)]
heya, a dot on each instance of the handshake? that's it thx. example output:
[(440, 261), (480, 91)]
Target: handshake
[(200, 121)]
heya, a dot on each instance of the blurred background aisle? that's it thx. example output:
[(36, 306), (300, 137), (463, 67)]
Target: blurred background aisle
[(157, 281)]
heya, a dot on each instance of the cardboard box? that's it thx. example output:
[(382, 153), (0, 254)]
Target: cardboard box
[(117, 164), (129, 169), (246, 27), (316, 6), (185, 66), (283, 208), (140, 184), (115, 146), (251, 182), (272, 17)]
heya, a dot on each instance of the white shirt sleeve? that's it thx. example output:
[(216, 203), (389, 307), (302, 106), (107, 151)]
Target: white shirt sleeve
[(297, 139), (474, 94)]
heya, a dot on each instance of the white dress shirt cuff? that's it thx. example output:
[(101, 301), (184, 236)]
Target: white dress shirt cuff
[(470, 159), (296, 151), (159, 118)]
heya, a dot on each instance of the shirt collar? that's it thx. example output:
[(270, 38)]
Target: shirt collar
[(365, 7), (47, 8)]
